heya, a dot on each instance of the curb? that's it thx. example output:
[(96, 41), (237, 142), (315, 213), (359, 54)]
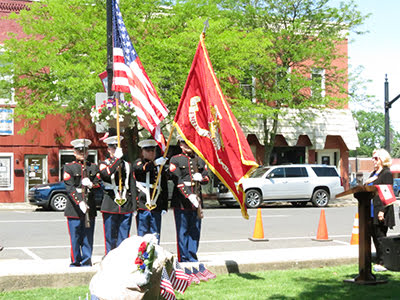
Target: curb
[(17, 206)]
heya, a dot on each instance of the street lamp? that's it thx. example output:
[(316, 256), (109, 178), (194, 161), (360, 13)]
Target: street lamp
[(388, 105)]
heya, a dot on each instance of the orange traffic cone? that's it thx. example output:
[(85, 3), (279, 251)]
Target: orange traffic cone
[(355, 233), (322, 234), (258, 234)]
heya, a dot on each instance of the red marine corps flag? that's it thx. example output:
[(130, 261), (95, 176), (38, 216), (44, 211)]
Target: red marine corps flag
[(208, 126)]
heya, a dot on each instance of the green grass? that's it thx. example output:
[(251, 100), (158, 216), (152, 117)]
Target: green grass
[(322, 283)]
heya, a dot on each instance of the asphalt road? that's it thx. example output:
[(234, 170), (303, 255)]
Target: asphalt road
[(43, 234)]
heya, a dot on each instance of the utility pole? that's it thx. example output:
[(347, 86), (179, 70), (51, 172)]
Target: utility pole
[(388, 105), (387, 121)]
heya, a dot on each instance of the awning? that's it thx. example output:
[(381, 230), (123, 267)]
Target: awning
[(316, 124)]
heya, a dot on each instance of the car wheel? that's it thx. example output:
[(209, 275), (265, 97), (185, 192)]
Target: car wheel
[(299, 203), (58, 202), (253, 198), (320, 198)]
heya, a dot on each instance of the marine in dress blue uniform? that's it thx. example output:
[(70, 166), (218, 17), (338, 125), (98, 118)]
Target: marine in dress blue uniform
[(78, 182), (117, 206), (146, 170), (186, 169)]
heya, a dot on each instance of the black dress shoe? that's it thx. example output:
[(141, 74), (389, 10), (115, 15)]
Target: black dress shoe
[(1, 248)]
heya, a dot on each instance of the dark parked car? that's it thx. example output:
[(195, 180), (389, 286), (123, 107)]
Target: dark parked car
[(54, 196), (396, 187)]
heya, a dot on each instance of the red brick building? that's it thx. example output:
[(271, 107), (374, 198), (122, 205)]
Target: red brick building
[(37, 156), (324, 138)]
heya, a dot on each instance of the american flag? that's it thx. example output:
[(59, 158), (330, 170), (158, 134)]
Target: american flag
[(193, 278), (130, 77), (179, 279), (205, 272), (166, 289), (199, 275)]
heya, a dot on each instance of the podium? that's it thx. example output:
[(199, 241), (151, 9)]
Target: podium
[(363, 194)]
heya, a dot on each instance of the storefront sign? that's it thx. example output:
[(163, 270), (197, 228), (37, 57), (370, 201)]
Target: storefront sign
[(6, 121), (5, 172)]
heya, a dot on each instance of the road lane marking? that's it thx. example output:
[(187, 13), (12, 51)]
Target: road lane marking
[(31, 254), (101, 220), (341, 242), (32, 221), (240, 217)]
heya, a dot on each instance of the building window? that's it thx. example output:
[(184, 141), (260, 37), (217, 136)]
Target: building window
[(6, 171), (247, 88), (67, 156), (318, 82)]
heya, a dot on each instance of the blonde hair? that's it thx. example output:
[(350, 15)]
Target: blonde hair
[(384, 156)]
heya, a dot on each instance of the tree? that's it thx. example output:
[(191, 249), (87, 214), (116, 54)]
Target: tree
[(305, 36), (273, 43), (55, 67), (371, 134)]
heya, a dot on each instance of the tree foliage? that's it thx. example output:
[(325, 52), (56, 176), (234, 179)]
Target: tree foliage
[(371, 133), (272, 45)]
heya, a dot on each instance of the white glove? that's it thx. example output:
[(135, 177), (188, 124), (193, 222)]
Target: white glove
[(160, 161), (163, 212), (135, 213), (118, 153), (197, 177), (83, 206), (193, 198), (86, 182)]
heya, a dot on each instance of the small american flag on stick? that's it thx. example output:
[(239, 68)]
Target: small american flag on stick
[(199, 275), (193, 278), (179, 279), (205, 272), (166, 289)]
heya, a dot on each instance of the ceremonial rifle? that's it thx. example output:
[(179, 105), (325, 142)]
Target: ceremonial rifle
[(84, 188), (197, 188)]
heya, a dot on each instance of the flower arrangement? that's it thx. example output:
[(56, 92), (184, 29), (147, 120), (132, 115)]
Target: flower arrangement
[(145, 256), (144, 260), (107, 112)]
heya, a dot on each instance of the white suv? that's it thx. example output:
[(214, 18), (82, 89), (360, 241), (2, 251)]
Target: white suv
[(297, 184)]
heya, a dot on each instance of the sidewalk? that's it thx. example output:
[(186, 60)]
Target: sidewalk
[(18, 274)]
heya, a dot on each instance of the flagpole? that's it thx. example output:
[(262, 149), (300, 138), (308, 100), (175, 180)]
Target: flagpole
[(161, 167), (118, 138), (109, 49), (110, 60)]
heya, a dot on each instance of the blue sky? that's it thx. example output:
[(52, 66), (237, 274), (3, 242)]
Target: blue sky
[(378, 51)]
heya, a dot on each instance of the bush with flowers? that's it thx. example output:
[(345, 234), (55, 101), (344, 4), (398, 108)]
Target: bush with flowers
[(107, 112)]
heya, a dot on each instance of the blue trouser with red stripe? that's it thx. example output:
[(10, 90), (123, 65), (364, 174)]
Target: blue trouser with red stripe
[(188, 228), (81, 241), (148, 222), (116, 229)]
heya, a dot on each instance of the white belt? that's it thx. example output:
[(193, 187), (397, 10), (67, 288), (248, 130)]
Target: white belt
[(188, 183), (144, 184), (79, 190), (108, 186)]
